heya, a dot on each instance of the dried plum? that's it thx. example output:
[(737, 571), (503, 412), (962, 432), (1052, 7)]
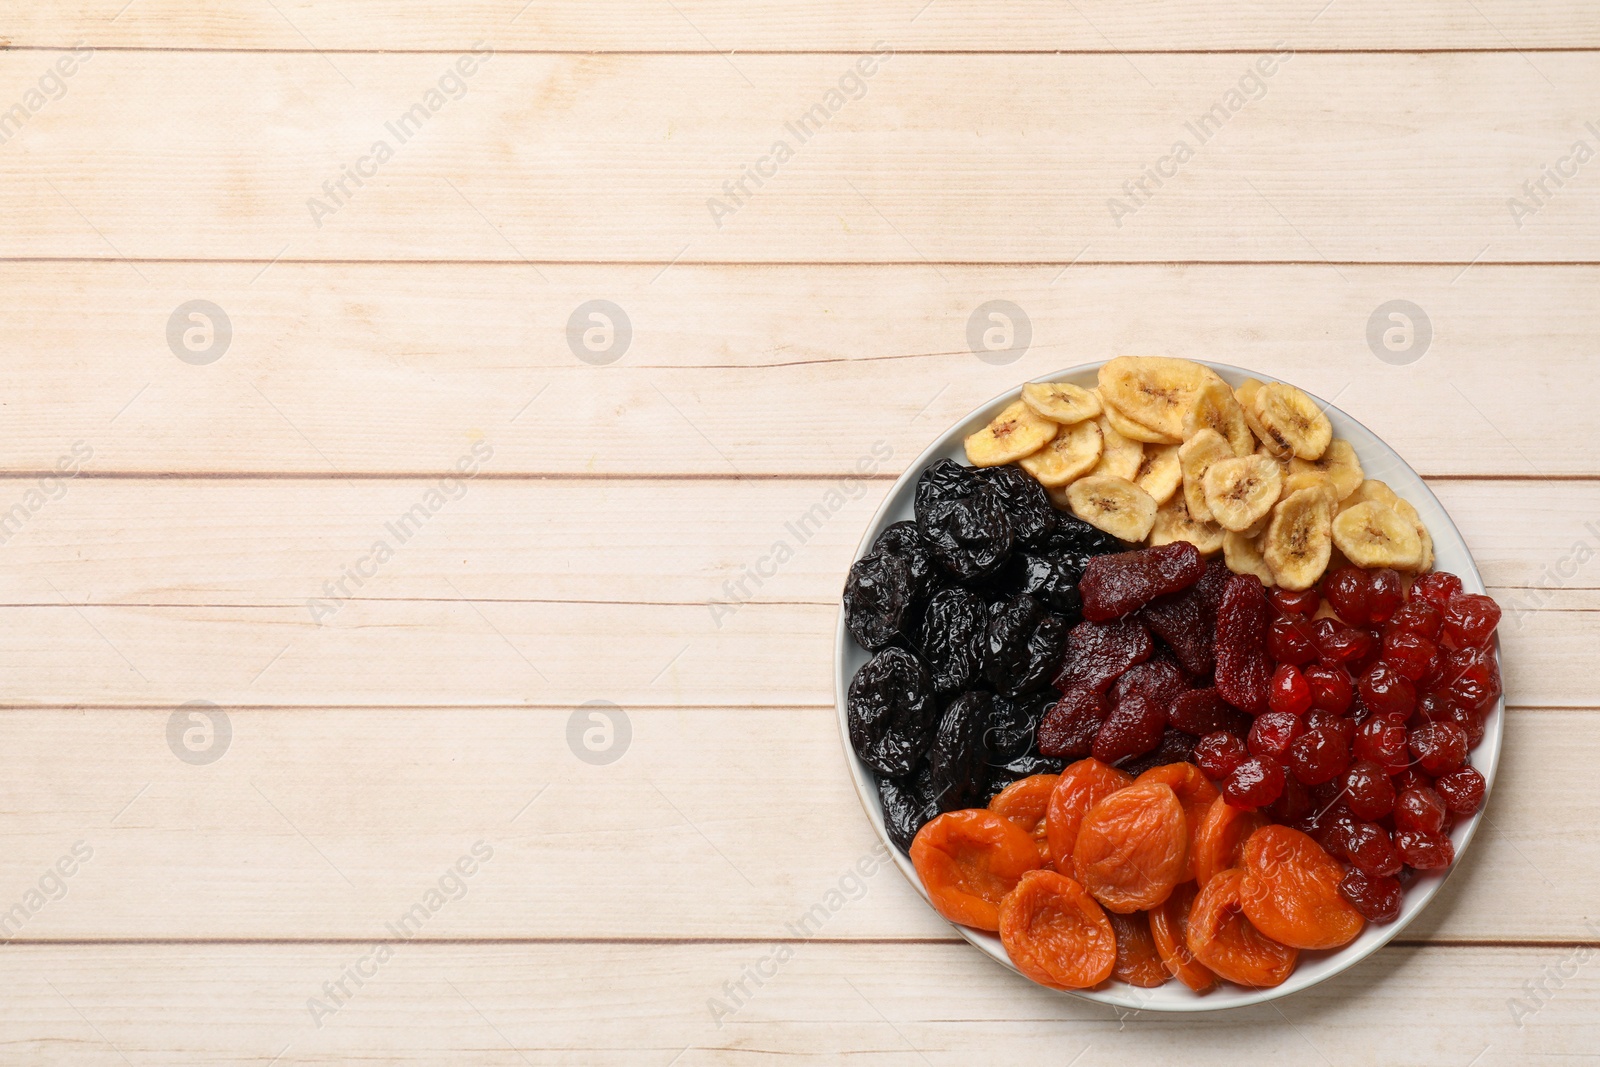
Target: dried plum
[(905, 540), (1024, 645), (907, 805), (1003, 774), (1116, 584), (1052, 578), (953, 631), (1014, 723), (1073, 535), (891, 712), (971, 537), (1033, 517), (958, 761), (943, 482), (1244, 669), (877, 596), (1098, 652)]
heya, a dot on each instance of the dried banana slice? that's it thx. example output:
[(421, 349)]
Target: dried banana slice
[(1061, 402), (1245, 393), (1175, 523), (1132, 430), (1114, 505), (1375, 535), (1299, 541), (1159, 473), (1409, 513), (1369, 490), (1195, 457), (1242, 490), (1339, 463), (1243, 556), (1119, 457), (1216, 408), (1153, 391), (1071, 454), (1293, 421), (1311, 479), (1016, 432)]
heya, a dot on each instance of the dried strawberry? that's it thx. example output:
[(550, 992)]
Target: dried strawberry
[(1156, 679), (1116, 584), (1068, 729), (1244, 670), (1187, 620), (1098, 652), (1202, 711), (1133, 728)]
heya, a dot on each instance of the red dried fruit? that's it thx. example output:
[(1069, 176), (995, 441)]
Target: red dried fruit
[(1440, 747), (1273, 732), (1202, 711), (1340, 644), (1385, 595), (1417, 617), (1217, 754), (1473, 722), (1327, 721), (1411, 778), (1318, 756), (1368, 846), (1306, 602), (1289, 640), (1348, 590), (1436, 587), (1187, 620), (1376, 897), (1433, 707), (1424, 851), (1098, 652), (1472, 678), (1419, 809), (1462, 790), (1133, 728), (1068, 729), (1470, 620), (1290, 691), (1411, 654), (1116, 584), (1244, 670), (1254, 783), (1332, 688), (1384, 743), (1157, 679), (1293, 804), (1368, 791), (1388, 693)]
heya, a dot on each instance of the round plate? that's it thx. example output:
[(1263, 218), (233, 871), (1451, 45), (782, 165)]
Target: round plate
[(1379, 462)]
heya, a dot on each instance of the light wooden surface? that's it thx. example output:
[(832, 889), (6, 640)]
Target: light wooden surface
[(381, 730)]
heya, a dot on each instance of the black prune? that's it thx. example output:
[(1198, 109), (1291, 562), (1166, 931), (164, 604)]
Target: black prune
[(971, 537), (1033, 517), (1052, 579), (952, 633), (1073, 535), (1024, 645), (958, 761), (891, 712), (907, 805), (877, 596), (1003, 774), (1016, 720), (905, 540), (943, 482)]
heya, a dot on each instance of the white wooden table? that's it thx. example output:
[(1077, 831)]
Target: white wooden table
[(217, 883)]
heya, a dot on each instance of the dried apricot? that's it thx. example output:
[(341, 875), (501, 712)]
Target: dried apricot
[(1055, 933), (1219, 839), (1169, 927), (1026, 802), (1138, 963), (1195, 792), (1132, 847), (1081, 786), (968, 860), (1290, 891), (1223, 939)]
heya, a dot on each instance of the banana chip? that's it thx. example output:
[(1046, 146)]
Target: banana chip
[(1071, 454), (1061, 402), (1114, 505), (1016, 432)]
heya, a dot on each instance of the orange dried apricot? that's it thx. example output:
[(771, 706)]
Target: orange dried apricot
[(1132, 847), (1220, 837), (1195, 792), (1169, 927), (1290, 891), (1026, 803), (1081, 786), (1055, 932), (968, 860), (1223, 939), (1138, 963)]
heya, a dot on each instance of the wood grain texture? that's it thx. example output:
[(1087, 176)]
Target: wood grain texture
[(754, 370), (698, 25), (942, 158)]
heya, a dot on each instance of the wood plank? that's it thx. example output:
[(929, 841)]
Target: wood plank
[(696, 25), (759, 370), (880, 1004), (546, 593), (332, 822), (614, 157)]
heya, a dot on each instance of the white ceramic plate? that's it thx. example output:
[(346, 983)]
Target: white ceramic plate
[(1380, 462)]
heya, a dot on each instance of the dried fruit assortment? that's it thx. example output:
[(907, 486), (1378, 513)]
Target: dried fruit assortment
[(1190, 758)]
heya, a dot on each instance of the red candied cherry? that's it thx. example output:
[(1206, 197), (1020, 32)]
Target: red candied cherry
[(1419, 809), (1461, 790), (1289, 691), (1473, 677), (1340, 644), (1413, 655), (1306, 602), (1292, 805), (1382, 742), (1368, 791), (1472, 721), (1255, 783), (1369, 847), (1336, 834), (1273, 732), (1317, 719), (1436, 587), (1433, 707), (1424, 851), (1332, 688), (1412, 777), (1385, 594), (1417, 617), (1289, 640), (1319, 756), (1470, 620), (1217, 754), (1377, 898), (1349, 590), (1388, 693), (1440, 747)]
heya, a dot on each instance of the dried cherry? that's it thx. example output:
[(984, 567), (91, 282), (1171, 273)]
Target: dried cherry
[(1388, 693), (1290, 692), (1470, 620), (1440, 747), (1385, 595), (1376, 897), (891, 712), (1462, 790), (1319, 756), (1368, 791), (1412, 655), (1332, 688), (1419, 809), (1219, 753), (1254, 783), (1383, 742), (1305, 602), (1436, 587), (1369, 847), (1418, 617), (1349, 591), (1424, 851), (1273, 732)]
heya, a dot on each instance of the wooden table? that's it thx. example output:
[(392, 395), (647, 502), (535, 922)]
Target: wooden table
[(398, 508)]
